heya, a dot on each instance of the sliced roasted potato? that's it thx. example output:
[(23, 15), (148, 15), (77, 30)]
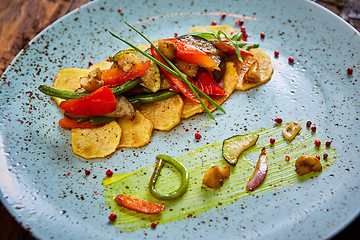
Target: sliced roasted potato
[(164, 114), (96, 142), (102, 65), (265, 69), (135, 133), (68, 79), (230, 80), (190, 108)]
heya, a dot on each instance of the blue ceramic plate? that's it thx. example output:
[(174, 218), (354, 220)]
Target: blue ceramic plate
[(43, 184)]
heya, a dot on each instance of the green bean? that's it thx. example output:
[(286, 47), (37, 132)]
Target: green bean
[(97, 120), (64, 94), (152, 97), (184, 178)]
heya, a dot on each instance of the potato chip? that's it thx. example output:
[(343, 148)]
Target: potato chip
[(265, 69), (135, 133), (96, 142), (164, 114)]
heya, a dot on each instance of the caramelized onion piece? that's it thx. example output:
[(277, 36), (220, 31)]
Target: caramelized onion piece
[(259, 174)]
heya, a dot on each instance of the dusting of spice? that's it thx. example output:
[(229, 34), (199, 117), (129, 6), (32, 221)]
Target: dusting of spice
[(317, 143), (109, 173), (112, 217), (350, 71), (154, 224)]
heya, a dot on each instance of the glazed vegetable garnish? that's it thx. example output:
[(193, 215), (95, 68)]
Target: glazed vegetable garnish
[(184, 178), (234, 40), (138, 205), (173, 70), (63, 94)]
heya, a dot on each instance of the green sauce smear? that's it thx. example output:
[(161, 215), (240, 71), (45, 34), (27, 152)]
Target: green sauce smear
[(198, 198)]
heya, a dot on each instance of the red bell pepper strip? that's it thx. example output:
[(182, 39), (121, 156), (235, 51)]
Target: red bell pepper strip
[(138, 205), (191, 54), (72, 123), (227, 48), (180, 85), (99, 102), (207, 83), (115, 76)]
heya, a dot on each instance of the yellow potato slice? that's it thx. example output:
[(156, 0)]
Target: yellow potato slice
[(96, 142), (190, 108), (265, 69), (230, 80), (164, 114), (68, 79), (228, 30), (135, 133)]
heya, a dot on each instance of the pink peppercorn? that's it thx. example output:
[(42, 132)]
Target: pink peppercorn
[(223, 15), (317, 143), (313, 128), (350, 71), (109, 173), (287, 158), (119, 10), (272, 140), (91, 63), (328, 143), (112, 217), (278, 120), (213, 23), (197, 135), (325, 156), (276, 53), (291, 60), (175, 34), (239, 22), (87, 172), (154, 224), (308, 124), (317, 157), (262, 35)]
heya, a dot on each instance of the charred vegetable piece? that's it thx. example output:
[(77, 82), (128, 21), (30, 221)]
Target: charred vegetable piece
[(207, 83), (99, 102), (115, 76), (138, 205), (191, 54), (124, 109), (184, 178), (151, 78), (306, 164), (290, 130), (213, 177), (259, 173), (234, 146)]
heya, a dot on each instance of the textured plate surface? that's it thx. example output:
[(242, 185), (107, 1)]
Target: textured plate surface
[(43, 183)]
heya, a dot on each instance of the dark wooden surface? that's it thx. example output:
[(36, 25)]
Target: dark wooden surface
[(21, 20)]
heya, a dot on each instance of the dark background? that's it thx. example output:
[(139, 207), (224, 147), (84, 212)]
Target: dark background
[(21, 20)]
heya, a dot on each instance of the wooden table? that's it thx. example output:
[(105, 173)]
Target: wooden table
[(21, 20)]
